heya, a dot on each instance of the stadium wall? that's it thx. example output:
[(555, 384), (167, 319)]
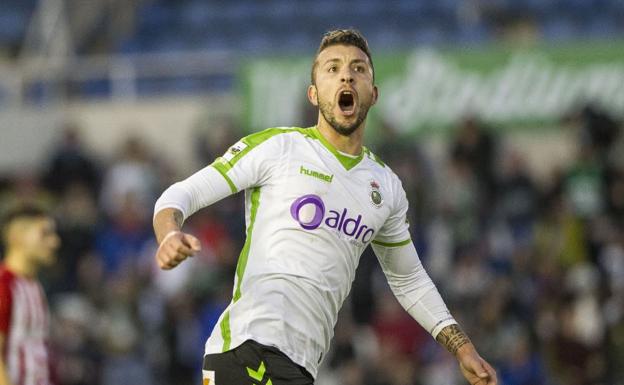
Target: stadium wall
[(167, 126)]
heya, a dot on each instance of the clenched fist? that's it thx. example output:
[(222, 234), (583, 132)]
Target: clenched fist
[(175, 248), (474, 368)]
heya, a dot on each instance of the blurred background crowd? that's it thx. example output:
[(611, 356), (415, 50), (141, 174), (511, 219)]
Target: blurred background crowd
[(528, 254)]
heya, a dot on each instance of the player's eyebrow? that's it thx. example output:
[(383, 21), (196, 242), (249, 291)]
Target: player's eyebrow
[(337, 60)]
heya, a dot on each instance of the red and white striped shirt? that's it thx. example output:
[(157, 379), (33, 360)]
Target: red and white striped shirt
[(24, 321)]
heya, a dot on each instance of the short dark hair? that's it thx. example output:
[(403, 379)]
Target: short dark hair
[(349, 36)]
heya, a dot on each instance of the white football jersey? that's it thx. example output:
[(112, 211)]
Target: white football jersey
[(310, 212)]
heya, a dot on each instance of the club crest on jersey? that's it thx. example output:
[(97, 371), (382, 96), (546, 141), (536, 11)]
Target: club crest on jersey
[(375, 195)]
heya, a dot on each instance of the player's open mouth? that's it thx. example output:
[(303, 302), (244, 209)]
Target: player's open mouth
[(346, 102)]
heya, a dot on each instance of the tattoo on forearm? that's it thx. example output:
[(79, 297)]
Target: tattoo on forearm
[(178, 218), (452, 338)]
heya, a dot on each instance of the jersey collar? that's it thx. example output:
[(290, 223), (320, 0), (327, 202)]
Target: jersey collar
[(347, 162)]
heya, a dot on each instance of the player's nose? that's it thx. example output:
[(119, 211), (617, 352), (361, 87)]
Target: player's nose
[(55, 242), (346, 77)]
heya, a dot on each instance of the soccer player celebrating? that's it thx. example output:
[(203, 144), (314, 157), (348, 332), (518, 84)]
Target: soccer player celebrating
[(315, 198), (30, 241)]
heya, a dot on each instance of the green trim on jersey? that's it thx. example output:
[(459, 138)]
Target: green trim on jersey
[(240, 268), (226, 333), (392, 244), (222, 165), (222, 169), (253, 140), (242, 259), (374, 157), (347, 162)]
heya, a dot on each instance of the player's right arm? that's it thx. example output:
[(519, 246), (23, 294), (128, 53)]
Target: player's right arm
[(247, 163), (174, 246), (177, 203)]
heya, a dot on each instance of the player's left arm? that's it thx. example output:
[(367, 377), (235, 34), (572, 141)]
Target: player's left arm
[(474, 368), (419, 296)]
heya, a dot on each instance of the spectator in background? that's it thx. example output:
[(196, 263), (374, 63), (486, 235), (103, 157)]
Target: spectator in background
[(29, 235), (74, 337), (597, 129), (70, 164), (128, 192), (459, 202), (522, 366), (131, 178), (584, 183), (213, 136), (121, 335), (410, 163), (475, 146), (517, 196), (78, 219)]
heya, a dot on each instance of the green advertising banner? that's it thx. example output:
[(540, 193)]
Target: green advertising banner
[(427, 90)]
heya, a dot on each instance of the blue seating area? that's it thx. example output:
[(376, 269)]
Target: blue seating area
[(14, 17), (266, 26)]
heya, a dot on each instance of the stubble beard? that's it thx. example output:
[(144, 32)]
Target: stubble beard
[(342, 129)]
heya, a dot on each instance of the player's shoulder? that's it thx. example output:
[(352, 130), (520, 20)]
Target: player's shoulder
[(6, 276), (378, 165), (268, 142), (270, 139), (375, 160), (381, 168), (275, 132)]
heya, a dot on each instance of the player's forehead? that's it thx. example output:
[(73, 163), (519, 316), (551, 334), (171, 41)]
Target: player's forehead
[(342, 53)]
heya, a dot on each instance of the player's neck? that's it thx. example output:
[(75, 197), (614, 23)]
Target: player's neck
[(17, 263), (351, 144)]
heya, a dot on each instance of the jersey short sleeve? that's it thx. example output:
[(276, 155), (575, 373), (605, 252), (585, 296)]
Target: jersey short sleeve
[(395, 231), (251, 161)]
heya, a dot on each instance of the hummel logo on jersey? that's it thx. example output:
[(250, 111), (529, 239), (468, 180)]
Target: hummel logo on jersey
[(309, 211), (316, 174)]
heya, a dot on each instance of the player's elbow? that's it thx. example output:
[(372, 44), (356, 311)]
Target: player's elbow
[(176, 196)]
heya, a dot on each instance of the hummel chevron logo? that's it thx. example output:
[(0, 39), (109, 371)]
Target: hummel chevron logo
[(258, 375)]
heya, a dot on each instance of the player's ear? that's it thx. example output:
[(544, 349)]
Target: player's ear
[(375, 95), (313, 95), (14, 231)]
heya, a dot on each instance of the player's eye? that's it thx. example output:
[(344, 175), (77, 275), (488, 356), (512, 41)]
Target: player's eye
[(332, 69), (359, 69)]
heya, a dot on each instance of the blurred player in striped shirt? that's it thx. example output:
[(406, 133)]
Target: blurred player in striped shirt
[(30, 240)]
